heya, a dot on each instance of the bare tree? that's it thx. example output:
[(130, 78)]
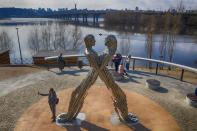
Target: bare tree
[(77, 38), (56, 37), (34, 40), (62, 36), (180, 6), (5, 41), (149, 38), (172, 39), (177, 24), (165, 33), (46, 37), (125, 46)]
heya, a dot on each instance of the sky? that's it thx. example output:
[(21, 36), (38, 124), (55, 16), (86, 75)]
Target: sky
[(99, 4)]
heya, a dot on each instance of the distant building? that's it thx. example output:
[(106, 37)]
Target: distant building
[(49, 10), (75, 6), (62, 9), (136, 9), (173, 10)]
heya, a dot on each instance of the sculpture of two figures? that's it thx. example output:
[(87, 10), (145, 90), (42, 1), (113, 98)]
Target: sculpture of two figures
[(98, 68)]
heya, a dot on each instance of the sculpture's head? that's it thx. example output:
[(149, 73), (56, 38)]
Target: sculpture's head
[(89, 41), (111, 42)]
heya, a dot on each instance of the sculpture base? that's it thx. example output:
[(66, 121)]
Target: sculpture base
[(98, 107), (152, 84), (133, 120), (80, 118)]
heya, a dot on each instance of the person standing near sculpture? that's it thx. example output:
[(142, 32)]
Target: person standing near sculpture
[(117, 59), (127, 62), (52, 100), (61, 62), (121, 70)]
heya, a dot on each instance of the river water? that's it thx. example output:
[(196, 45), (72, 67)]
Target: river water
[(185, 49)]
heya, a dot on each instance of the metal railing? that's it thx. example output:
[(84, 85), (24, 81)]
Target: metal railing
[(183, 67)]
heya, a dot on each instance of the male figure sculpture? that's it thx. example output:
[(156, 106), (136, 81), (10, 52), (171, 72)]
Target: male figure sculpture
[(98, 68)]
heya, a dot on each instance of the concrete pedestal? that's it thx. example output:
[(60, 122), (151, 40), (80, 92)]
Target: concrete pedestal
[(191, 100), (152, 84)]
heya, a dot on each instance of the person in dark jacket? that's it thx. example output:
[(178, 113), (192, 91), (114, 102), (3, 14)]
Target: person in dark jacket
[(52, 100), (117, 60), (61, 62)]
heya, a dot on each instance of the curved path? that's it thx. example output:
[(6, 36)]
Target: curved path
[(12, 84)]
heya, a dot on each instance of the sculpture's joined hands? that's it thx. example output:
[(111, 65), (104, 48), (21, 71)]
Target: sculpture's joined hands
[(98, 64)]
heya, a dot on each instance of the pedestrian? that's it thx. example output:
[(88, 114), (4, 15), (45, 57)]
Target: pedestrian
[(121, 70), (196, 92), (120, 59), (52, 100), (61, 62), (116, 61), (127, 62)]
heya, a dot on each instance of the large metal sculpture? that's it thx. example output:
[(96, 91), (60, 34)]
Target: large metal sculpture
[(98, 68)]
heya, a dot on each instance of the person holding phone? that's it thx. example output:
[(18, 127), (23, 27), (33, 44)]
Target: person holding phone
[(52, 100)]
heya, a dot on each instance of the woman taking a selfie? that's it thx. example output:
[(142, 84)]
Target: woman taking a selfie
[(52, 100)]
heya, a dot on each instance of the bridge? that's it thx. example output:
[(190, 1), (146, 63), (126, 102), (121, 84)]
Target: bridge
[(74, 15), (84, 14)]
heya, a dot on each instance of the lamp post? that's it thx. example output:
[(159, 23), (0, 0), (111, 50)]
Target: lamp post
[(19, 45)]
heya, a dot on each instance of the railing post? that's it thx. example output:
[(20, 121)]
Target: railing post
[(133, 64), (157, 68), (182, 74)]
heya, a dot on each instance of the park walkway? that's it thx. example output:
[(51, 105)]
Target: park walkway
[(11, 84), (22, 91)]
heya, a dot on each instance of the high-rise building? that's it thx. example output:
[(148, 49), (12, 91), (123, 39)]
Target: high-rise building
[(136, 8), (75, 6)]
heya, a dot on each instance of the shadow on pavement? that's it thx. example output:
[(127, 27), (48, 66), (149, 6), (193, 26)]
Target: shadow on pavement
[(161, 90), (87, 126), (71, 72), (92, 127), (130, 78), (139, 127)]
